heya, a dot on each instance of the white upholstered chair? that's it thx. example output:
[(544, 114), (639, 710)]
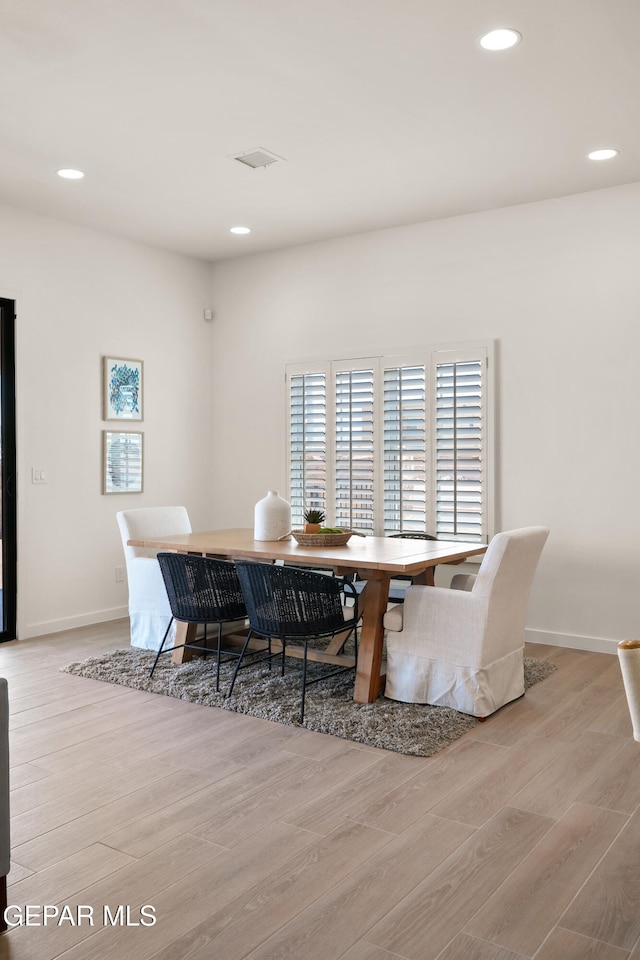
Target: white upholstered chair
[(149, 610), (464, 647)]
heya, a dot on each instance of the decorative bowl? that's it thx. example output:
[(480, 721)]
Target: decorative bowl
[(322, 539)]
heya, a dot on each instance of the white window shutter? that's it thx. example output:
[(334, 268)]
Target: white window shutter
[(404, 443), (307, 443), (395, 444), (355, 452), (460, 427)]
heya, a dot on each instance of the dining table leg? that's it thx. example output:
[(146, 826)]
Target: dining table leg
[(426, 578), (374, 599), (185, 633)]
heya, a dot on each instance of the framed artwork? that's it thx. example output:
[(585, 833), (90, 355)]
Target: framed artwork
[(122, 389), (122, 461)]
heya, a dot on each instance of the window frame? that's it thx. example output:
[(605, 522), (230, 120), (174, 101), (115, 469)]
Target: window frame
[(430, 357)]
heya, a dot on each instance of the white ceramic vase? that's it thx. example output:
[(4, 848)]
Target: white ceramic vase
[(272, 517)]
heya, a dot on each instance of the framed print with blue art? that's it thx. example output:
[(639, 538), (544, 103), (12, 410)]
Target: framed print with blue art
[(122, 461), (122, 389)]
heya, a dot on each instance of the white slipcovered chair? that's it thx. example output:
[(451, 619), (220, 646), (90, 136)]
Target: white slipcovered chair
[(464, 647), (149, 610)]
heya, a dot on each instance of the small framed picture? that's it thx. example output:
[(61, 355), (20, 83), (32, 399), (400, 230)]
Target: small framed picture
[(122, 389), (122, 459)]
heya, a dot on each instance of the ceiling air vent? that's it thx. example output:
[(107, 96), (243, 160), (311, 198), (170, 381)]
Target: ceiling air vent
[(257, 158)]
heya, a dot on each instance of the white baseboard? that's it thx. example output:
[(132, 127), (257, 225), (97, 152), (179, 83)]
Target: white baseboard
[(575, 642), (98, 616), (69, 623)]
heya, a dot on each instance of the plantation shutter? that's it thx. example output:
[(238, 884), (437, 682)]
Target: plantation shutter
[(355, 454), (307, 443), (394, 444), (459, 444), (404, 449)]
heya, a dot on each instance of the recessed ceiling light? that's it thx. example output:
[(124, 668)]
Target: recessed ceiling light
[(500, 39), (240, 230), (608, 154), (69, 174)]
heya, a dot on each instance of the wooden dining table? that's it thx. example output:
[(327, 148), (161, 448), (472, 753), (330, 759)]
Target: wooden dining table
[(374, 559)]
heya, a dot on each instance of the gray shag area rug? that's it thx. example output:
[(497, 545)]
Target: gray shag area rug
[(416, 729)]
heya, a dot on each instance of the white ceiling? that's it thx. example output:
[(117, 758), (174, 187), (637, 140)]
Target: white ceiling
[(386, 111)]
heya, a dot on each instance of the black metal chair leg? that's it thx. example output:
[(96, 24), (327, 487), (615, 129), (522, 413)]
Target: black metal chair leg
[(239, 663), (304, 681), (155, 662), (218, 654)]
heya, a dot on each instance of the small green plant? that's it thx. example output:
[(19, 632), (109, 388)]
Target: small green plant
[(313, 516)]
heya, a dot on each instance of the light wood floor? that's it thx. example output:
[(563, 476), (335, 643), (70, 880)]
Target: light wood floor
[(251, 839)]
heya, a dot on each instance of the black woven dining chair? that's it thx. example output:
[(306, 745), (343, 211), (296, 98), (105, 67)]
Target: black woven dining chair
[(297, 606), (203, 591), (396, 592), (412, 536)]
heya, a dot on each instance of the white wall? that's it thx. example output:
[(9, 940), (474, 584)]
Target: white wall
[(557, 286), (82, 295)]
